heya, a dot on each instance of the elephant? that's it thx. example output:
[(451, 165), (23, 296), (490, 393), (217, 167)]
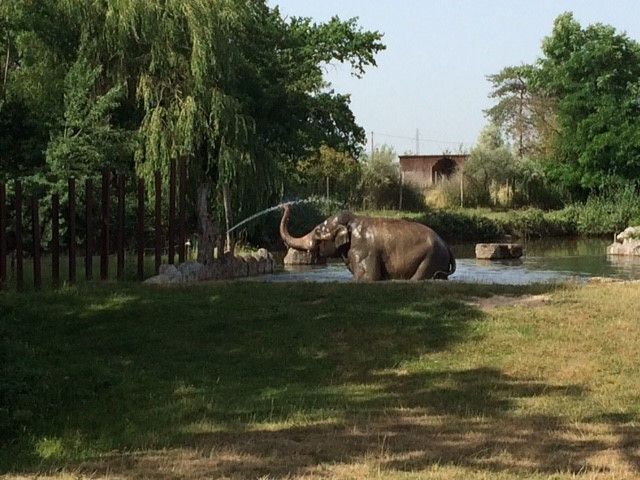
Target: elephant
[(376, 248)]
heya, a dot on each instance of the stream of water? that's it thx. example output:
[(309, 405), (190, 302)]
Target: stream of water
[(550, 260), (265, 211)]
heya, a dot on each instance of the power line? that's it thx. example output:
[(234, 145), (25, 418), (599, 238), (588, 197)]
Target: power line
[(419, 140)]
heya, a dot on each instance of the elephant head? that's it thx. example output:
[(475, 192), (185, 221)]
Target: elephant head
[(326, 239)]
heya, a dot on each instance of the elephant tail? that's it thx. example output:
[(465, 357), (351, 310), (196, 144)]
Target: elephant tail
[(440, 275), (452, 262)]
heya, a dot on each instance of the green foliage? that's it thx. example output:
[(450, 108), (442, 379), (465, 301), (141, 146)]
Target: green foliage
[(330, 172), (461, 226), (593, 73), (490, 163), (380, 182), (610, 211), (87, 141), (230, 85)]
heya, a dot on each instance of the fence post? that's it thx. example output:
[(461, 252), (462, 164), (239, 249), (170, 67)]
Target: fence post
[(72, 230), (140, 229), (172, 210), (19, 269), (3, 236), (55, 240), (104, 248), (158, 222), (182, 222), (35, 223), (88, 242), (120, 233)]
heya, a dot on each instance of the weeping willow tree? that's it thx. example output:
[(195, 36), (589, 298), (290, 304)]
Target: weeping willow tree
[(227, 84), (180, 58)]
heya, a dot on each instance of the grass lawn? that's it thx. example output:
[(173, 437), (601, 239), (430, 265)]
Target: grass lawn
[(253, 380)]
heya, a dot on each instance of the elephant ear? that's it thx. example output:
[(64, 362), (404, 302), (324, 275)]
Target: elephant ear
[(341, 237)]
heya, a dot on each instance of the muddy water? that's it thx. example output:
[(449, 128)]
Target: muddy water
[(550, 260)]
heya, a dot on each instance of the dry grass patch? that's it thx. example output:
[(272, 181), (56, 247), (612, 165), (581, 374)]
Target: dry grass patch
[(399, 381), (496, 301)]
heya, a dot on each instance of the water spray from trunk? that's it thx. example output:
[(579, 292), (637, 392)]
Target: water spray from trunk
[(267, 210)]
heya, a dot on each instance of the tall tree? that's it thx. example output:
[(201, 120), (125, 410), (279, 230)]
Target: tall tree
[(525, 115), (594, 73), (228, 84)]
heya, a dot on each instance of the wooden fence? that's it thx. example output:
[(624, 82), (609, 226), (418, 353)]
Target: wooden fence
[(11, 241)]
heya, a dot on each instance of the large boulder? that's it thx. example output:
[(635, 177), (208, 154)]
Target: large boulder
[(627, 243), (498, 251), (167, 274), (629, 234), (298, 257)]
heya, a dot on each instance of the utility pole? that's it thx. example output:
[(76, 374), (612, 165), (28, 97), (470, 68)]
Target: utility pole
[(417, 142), (371, 145), (461, 187), (401, 188)]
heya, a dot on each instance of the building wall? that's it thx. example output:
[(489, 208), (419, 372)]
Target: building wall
[(417, 170)]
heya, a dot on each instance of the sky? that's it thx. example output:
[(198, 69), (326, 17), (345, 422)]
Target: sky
[(432, 76)]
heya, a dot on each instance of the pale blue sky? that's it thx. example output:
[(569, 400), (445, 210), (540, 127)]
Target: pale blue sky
[(432, 75)]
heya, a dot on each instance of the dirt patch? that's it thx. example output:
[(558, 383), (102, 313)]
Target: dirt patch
[(497, 301)]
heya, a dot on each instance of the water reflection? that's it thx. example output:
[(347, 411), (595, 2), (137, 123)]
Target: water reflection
[(549, 260)]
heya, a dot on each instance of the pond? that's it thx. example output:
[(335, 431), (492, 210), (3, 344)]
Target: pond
[(550, 260)]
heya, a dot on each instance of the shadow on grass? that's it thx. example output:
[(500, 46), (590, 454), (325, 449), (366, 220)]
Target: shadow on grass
[(253, 379)]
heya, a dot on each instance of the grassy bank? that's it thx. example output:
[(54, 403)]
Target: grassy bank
[(244, 380), (483, 223)]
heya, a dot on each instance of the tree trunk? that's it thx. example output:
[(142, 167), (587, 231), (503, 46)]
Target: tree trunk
[(228, 215), (6, 66), (209, 232)]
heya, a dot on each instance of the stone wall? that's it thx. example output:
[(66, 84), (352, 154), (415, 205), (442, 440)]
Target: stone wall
[(225, 268)]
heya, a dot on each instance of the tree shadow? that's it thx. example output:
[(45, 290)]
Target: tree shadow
[(469, 423), (221, 377)]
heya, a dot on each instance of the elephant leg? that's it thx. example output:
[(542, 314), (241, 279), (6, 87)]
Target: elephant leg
[(426, 271), (422, 271), (366, 269)]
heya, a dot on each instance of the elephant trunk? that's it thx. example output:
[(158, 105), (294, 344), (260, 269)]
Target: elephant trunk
[(299, 243)]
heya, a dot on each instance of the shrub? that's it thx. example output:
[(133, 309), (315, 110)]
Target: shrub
[(446, 194)]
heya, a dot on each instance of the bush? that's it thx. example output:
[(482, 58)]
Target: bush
[(610, 212), (461, 226), (536, 223), (446, 194)]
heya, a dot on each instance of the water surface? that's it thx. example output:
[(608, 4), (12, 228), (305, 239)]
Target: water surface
[(550, 260)]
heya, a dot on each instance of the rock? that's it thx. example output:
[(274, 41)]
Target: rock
[(190, 270), (252, 266), (629, 234), (172, 273), (628, 247), (263, 253), (266, 256), (169, 270), (227, 267), (240, 268), (298, 257), (498, 251), (161, 279)]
